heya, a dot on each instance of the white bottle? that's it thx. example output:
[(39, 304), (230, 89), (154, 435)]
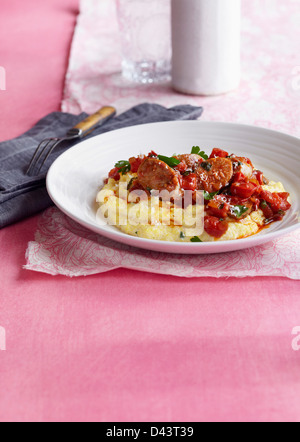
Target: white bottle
[(206, 46)]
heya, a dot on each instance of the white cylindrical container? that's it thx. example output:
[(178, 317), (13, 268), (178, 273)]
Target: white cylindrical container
[(206, 46)]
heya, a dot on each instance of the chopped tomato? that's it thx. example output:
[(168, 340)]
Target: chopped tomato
[(259, 176), (276, 217), (135, 163), (181, 167), (277, 201), (243, 190), (114, 173), (233, 200), (238, 177), (152, 154), (214, 227), (284, 204), (189, 182), (218, 153), (267, 196), (266, 209), (217, 208), (255, 202)]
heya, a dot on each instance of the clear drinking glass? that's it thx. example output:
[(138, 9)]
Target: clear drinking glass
[(145, 27)]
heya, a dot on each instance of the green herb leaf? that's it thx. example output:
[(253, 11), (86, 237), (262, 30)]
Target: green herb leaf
[(239, 211), (121, 163), (123, 166), (182, 235), (206, 166), (196, 150), (196, 239), (209, 196), (170, 161)]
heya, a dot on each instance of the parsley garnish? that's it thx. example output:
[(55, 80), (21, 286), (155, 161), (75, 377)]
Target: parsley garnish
[(209, 196), (206, 166), (196, 150), (123, 166), (182, 235), (170, 161), (239, 211), (196, 239)]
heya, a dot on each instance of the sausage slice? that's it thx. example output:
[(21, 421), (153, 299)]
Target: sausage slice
[(214, 174), (155, 174)]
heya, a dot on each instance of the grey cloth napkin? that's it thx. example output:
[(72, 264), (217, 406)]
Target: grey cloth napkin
[(22, 196)]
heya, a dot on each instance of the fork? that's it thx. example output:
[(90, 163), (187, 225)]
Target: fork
[(85, 127)]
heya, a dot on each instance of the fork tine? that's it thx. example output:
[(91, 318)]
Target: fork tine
[(48, 143), (48, 153), (38, 153)]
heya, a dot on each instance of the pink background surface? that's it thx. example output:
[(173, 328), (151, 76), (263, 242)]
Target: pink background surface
[(127, 345)]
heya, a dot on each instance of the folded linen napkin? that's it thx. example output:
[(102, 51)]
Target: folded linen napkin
[(22, 196)]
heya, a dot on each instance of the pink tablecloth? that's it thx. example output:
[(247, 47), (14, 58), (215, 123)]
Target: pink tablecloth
[(127, 345)]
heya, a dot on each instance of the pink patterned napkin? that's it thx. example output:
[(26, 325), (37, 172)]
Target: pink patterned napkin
[(269, 92), (63, 247)]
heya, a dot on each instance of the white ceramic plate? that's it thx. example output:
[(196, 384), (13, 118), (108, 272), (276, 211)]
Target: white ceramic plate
[(76, 176)]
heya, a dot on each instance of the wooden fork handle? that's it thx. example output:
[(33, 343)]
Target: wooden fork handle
[(94, 120)]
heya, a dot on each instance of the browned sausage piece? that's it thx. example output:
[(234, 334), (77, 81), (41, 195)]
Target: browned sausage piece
[(241, 165), (155, 174), (214, 174), (192, 160)]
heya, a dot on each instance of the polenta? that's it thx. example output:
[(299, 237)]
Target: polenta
[(238, 200)]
